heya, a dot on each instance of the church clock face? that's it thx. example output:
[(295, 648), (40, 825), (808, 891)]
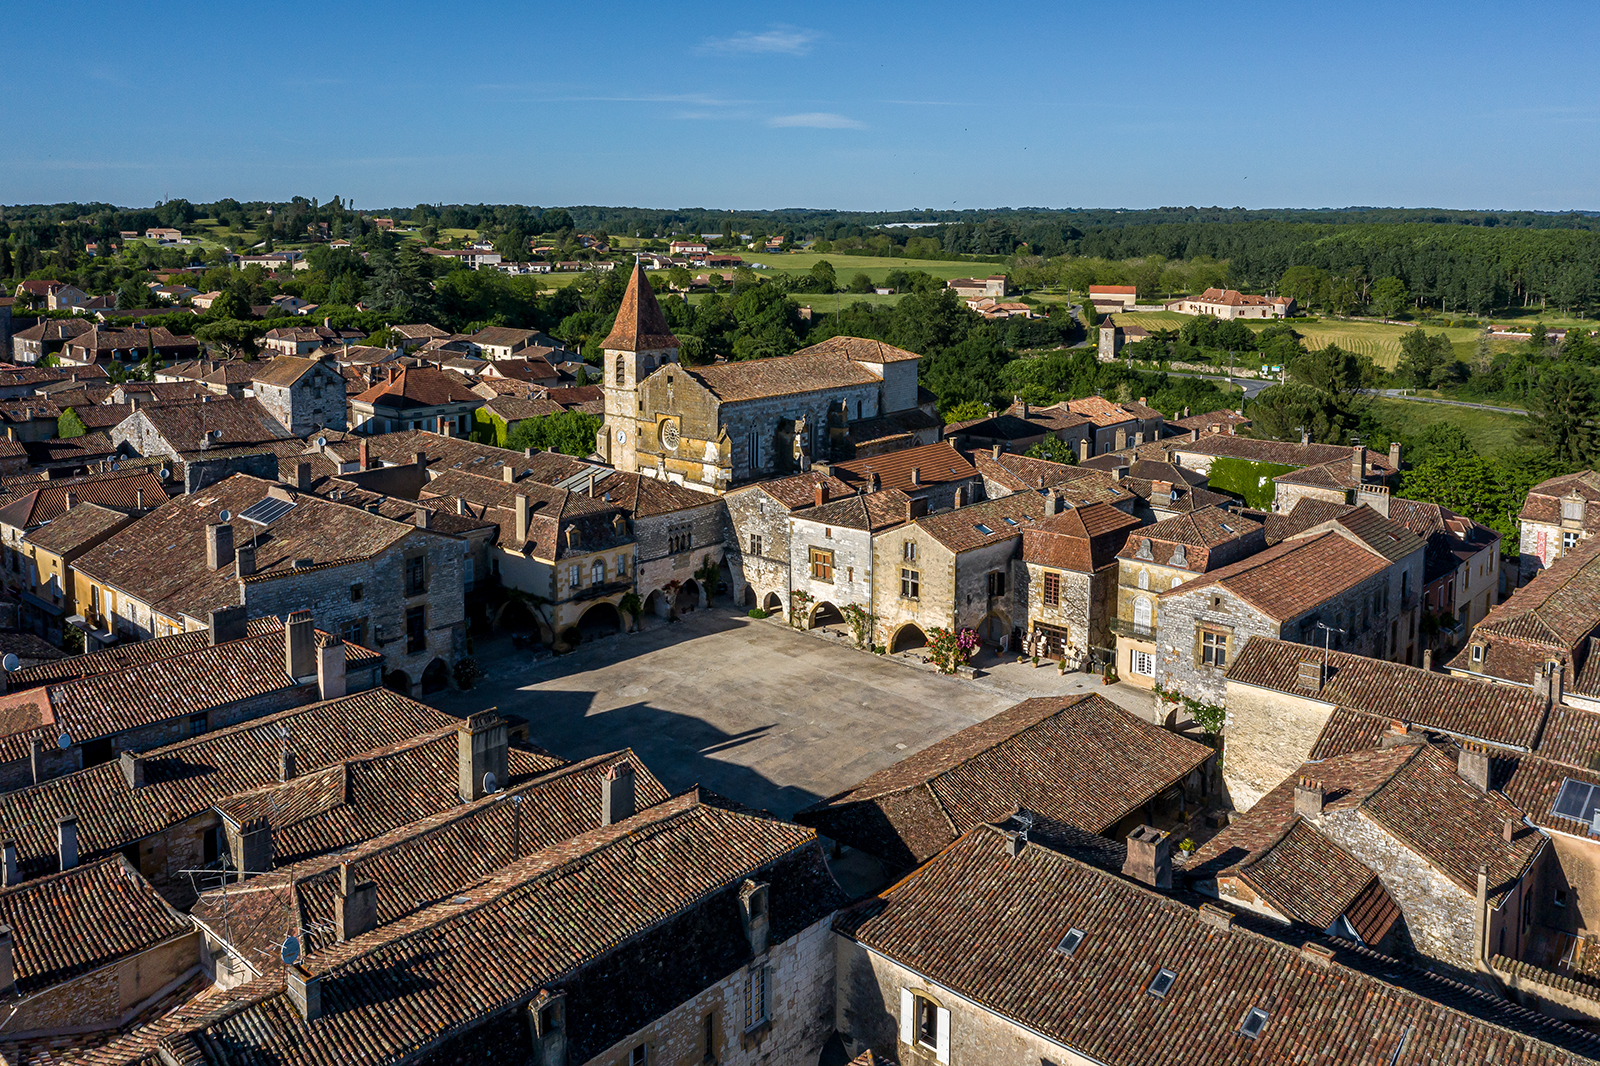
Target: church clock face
[(669, 434), (622, 436)]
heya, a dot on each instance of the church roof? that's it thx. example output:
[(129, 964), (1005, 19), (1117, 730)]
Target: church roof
[(640, 324)]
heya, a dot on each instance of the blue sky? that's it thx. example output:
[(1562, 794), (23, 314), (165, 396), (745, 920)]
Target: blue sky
[(875, 106)]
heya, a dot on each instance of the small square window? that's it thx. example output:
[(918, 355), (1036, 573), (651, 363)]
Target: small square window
[(1477, 653), (1161, 983), (1070, 942), (640, 1056), (1255, 1020), (1561, 897), (357, 591)]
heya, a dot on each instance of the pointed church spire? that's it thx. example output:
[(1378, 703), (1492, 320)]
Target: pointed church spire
[(641, 327)]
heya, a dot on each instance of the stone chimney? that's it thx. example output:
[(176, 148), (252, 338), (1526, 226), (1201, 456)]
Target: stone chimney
[(1427, 658), (255, 847), (1309, 797), (1394, 455), (302, 477), (8, 961), (482, 746), (1083, 450), (1216, 917), (1026, 409), (245, 561), (331, 680), (9, 872), (219, 545), (522, 517), (997, 451), (287, 764), (138, 499), (617, 801), (461, 505), (872, 481), (1052, 502), (1149, 858), (1310, 677), (364, 460), (960, 498), (916, 475), (507, 474), (1161, 493), (1305, 437), (420, 460), (1547, 682), (305, 991), (1473, 765), (422, 518), (228, 623), (299, 647), (132, 769), (357, 909), (1358, 462), (67, 842), (820, 494)]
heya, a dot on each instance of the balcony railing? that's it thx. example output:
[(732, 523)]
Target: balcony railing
[(1133, 629)]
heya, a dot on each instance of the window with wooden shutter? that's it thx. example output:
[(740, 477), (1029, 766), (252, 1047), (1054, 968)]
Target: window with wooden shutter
[(1052, 589), (821, 564)]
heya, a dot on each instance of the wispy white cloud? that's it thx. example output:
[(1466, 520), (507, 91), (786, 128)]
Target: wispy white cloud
[(818, 120), (785, 40)]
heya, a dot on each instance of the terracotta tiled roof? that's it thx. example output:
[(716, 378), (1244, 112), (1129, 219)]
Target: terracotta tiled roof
[(82, 919), (595, 908), (1222, 418), (935, 464), (799, 490), (1544, 499), (980, 524), (420, 386), (421, 330), (192, 428), (1085, 539), (161, 558), (422, 862), (123, 656), (1389, 539), (783, 375), (1116, 290), (870, 511), (1411, 792), (941, 924), (640, 324), (1293, 577), (120, 490), (503, 336), (1205, 528), (283, 370), (1308, 878), (187, 778), (551, 511), (1501, 714), (1101, 411), (1285, 453), (861, 349), (1081, 760), (77, 527)]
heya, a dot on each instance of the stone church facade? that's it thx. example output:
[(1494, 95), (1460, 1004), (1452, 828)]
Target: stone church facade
[(712, 427)]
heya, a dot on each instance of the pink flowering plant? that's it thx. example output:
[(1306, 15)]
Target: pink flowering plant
[(950, 648)]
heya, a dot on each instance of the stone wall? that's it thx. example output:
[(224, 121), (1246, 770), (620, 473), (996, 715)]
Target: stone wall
[(328, 592), (655, 566), (1177, 638), (868, 1017), (800, 1007), (751, 513), (936, 565), (852, 563), (315, 401), (105, 997), (1268, 735)]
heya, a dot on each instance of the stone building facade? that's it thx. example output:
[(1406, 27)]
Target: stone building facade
[(712, 427), (304, 395)]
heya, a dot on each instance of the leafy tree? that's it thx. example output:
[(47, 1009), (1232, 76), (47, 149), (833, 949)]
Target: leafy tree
[(229, 305), (680, 278), (967, 411), (1578, 346), (1425, 361), (1347, 379), (1390, 296), (1283, 412), (1561, 415), (1054, 449), (1308, 286), (823, 275), (132, 294), (235, 339), (860, 283), (570, 432), (70, 425)]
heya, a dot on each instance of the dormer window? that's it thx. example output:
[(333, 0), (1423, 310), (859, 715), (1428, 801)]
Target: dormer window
[(1477, 653)]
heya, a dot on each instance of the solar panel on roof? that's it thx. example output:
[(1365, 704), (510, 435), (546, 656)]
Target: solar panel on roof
[(267, 511), (1578, 800)]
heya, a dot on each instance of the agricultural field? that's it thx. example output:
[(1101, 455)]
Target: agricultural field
[(1152, 320), (875, 267), (1488, 430)]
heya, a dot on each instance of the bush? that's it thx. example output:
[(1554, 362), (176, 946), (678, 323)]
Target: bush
[(756, 612), (468, 673)]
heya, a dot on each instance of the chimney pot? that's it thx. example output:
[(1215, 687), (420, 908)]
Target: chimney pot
[(299, 647), (1508, 830), (1149, 858), (1474, 765), (820, 496), (617, 794), (482, 747), (219, 545), (1309, 797), (1317, 954), (67, 842), (1213, 915), (245, 561)]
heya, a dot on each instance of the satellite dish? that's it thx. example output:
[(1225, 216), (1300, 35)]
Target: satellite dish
[(115, 465), (322, 442), (291, 950), (226, 515), (165, 473), (489, 783), (10, 663), (64, 741)]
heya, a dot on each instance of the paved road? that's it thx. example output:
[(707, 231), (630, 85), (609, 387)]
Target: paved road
[(1252, 386), (1400, 394), (760, 713)]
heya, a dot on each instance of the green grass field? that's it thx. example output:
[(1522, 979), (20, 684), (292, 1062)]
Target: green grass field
[(1379, 340), (873, 266), (1488, 430)]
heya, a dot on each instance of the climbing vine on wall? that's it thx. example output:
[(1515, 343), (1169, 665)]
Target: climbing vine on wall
[(1207, 716)]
